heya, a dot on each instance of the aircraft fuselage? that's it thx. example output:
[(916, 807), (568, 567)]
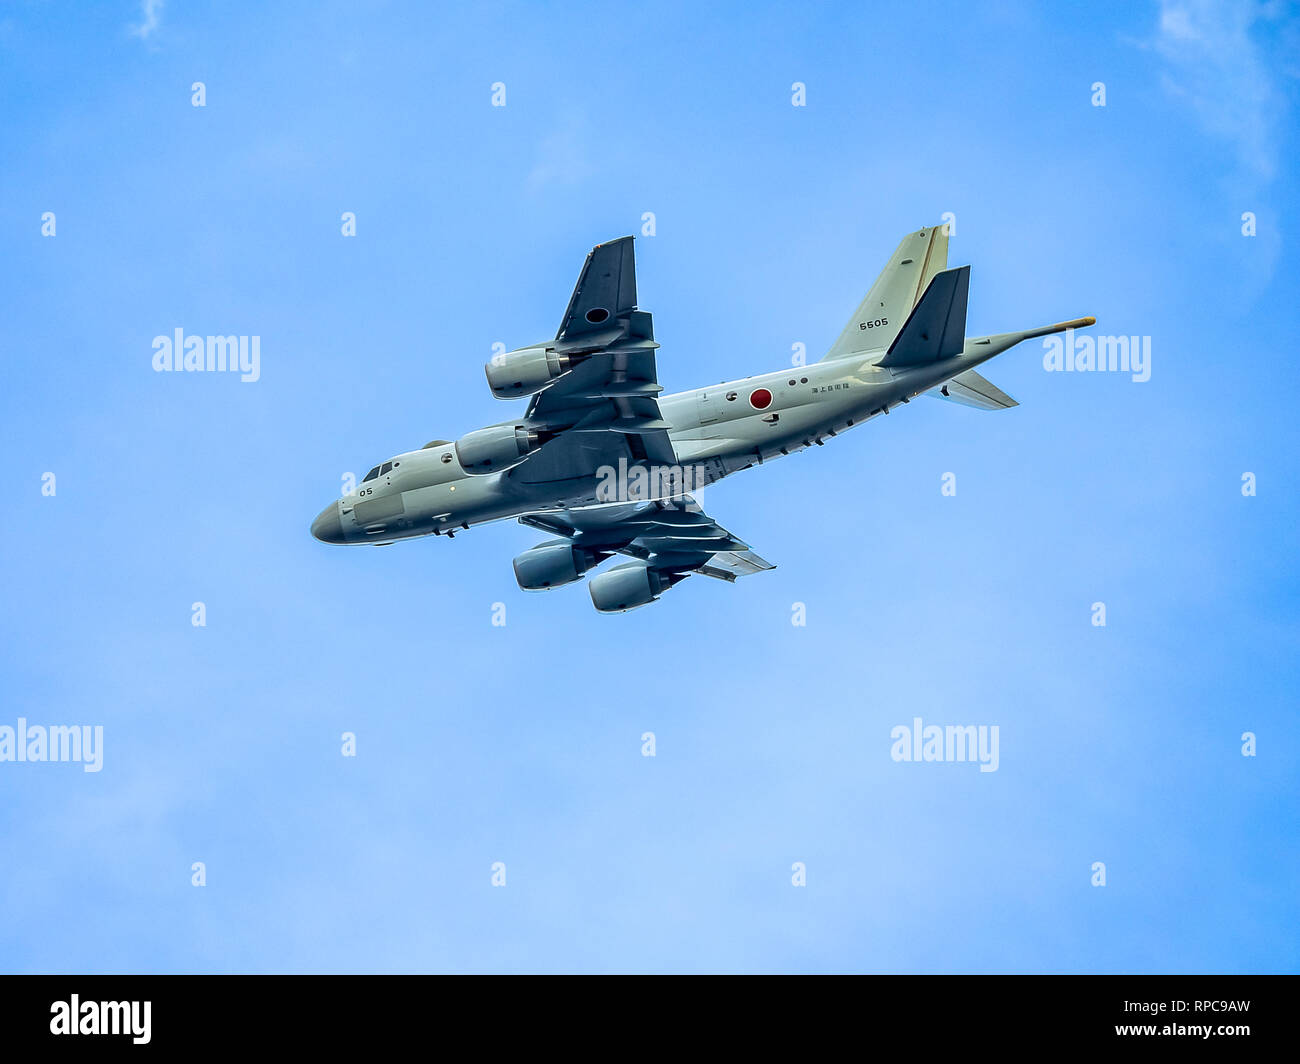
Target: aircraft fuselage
[(715, 431)]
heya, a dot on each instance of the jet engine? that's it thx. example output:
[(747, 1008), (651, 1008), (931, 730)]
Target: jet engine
[(525, 371), (495, 448), (625, 587), (553, 564)]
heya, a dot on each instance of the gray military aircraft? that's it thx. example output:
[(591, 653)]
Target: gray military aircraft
[(606, 465)]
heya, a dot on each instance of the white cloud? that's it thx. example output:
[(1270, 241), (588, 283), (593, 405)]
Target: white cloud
[(1217, 66), (150, 16)]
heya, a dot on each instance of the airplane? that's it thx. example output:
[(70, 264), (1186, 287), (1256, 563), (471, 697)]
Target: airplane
[(606, 464)]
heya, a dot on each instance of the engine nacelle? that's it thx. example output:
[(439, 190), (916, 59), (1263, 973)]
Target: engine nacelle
[(495, 448), (625, 587), (553, 564), (525, 371)]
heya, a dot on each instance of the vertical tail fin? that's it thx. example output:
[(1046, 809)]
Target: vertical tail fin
[(936, 328), (919, 257)]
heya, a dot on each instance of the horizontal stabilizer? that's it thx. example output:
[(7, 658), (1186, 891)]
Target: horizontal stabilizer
[(936, 328), (970, 389)]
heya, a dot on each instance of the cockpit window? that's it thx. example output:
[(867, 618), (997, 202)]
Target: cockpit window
[(371, 475), (387, 466)]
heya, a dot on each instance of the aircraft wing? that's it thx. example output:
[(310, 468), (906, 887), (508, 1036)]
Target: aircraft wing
[(676, 536), (605, 292), (606, 407)]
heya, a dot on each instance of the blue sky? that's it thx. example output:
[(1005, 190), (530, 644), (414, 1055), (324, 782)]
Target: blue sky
[(522, 744)]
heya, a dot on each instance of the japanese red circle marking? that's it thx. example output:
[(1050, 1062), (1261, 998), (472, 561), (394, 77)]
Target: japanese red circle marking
[(760, 398)]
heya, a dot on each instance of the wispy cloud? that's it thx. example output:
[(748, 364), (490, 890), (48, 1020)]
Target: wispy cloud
[(1231, 63), (1216, 63), (150, 16)]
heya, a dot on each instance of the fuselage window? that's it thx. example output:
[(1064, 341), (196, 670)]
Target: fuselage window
[(371, 475), (447, 457), (731, 397)]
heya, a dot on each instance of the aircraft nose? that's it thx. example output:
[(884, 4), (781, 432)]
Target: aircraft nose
[(327, 527)]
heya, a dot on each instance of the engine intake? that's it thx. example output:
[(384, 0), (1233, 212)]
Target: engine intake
[(553, 564), (495, 448), (625, 587), (525, 371)]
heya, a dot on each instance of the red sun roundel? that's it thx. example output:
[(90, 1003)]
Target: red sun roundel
[(760, 398)]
